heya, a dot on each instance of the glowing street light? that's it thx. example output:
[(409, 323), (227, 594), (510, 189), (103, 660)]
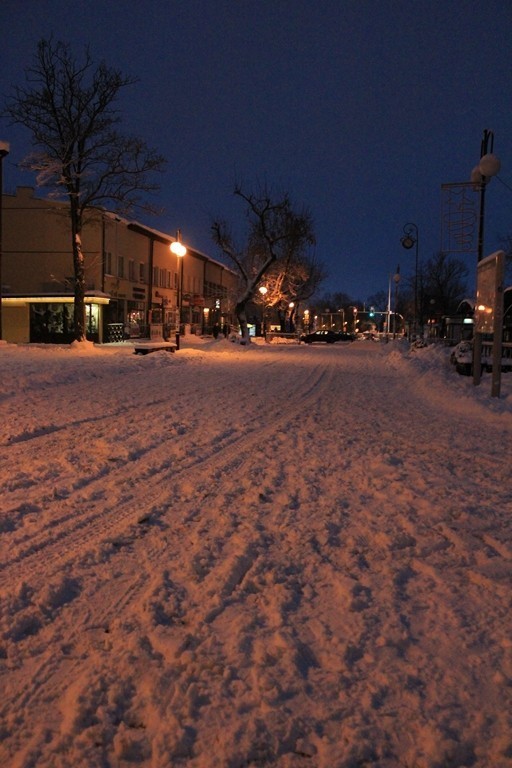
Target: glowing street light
[(178, 248), (179, 251), (264, 290), (354, 312), (206, 311)]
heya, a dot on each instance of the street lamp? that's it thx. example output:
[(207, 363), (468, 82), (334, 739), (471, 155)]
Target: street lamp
[(179, 251), (409, 240), (291, 324), (264, 290), (4, 151), (396, 278), (354, 311), (488, 167)]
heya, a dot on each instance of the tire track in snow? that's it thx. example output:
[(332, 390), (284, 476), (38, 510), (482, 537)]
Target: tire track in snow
[(234, 568), (87, 525)]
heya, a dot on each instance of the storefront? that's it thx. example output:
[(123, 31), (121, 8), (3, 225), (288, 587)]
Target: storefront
[(50, 319)]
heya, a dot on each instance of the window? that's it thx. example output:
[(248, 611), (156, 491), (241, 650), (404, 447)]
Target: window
[(142, 272), (213, 290), (120, 266), (107, 260), (131, 270)]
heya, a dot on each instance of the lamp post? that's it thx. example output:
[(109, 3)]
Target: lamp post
[(354, 312), (410, 240), (4, 151), (180, 251), (388, 310), (396, 279), (291, 324), (264, 290), (488, 167)]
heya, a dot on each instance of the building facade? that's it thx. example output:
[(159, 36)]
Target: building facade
[(132, 278)]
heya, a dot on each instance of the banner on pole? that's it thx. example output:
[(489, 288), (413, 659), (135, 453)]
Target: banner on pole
[(460, 206)]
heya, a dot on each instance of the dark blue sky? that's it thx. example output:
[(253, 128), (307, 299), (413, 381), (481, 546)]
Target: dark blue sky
[(360, 109)]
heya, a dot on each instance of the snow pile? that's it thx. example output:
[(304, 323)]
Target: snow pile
[(273, 555)]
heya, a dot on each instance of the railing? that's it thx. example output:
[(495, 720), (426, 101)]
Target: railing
[(506, 356), (115, 332)]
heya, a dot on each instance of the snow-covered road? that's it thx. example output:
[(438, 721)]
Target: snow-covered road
[(277, 556)]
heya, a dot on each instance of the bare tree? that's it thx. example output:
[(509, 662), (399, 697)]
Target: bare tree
[(443, 283), (291, 284), (277, 235), (378, 300), (441, 287), (69, 106)]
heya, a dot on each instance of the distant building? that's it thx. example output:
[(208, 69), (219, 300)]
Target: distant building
[(459, 327), (132, 278)]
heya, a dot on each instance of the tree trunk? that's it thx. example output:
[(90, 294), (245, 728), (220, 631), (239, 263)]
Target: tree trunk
[(79, 274), (240, 310)]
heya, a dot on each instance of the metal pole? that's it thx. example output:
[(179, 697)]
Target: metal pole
[(179, 249), (388, 313), (394, 314), (180, 299), (416, 291), (4, 151), (408, 240), (1, 206), (486, 146), (497, 340)]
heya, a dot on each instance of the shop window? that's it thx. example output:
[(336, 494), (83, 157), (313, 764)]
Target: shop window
[(92, 312)]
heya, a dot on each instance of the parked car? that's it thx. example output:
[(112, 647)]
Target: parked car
[(328, 337)]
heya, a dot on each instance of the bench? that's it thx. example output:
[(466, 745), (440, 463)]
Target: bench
[(145, 347), (155, 342)]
